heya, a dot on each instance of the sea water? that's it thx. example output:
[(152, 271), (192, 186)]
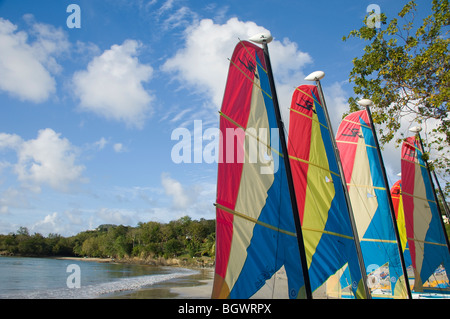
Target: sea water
[(23, 277)]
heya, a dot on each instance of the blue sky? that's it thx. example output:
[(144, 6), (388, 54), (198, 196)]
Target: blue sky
[(87, 114)]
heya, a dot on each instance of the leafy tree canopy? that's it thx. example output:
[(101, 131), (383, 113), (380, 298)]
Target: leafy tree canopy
[(405, 71)]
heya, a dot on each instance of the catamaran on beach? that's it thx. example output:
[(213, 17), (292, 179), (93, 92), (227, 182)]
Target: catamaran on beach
[(307, 214)]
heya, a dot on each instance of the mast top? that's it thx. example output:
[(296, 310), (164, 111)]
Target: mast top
[(365, 102), (261, 37), (315, 76)]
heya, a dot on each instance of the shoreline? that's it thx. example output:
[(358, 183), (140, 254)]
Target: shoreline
[(93, 259), (191, 286), (202, 291), (199, 289), (197, 263), (197, 286)]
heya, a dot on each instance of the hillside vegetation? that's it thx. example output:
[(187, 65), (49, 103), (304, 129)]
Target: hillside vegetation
[(182, 237)]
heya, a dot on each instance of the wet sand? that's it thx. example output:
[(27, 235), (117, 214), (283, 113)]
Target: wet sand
[(198, 286)]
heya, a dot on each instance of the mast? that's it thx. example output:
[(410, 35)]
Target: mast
[(317, 76), (416, 130), (264, 39), (444, 202), (366, 103)]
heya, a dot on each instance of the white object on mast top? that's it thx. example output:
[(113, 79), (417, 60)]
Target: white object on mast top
[(261, 37), (365, 102), (315, 76), (415, 129)]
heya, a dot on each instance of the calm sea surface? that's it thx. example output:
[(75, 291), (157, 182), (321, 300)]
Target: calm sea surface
[(22, 277)]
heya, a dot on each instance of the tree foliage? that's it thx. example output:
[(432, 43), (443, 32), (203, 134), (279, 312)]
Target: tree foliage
[(405, 71), (180, 237)]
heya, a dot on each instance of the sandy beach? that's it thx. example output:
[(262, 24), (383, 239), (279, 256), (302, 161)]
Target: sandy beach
[(197, 286), (98, 260)]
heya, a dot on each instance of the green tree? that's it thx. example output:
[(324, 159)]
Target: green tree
[(122, 247), (209, 245), (173, 247), (91, 247), (78, 240), (23, 231), (151, 239), (405, 71), (150, 233), (59, 245), (9, 243), (34, 245)]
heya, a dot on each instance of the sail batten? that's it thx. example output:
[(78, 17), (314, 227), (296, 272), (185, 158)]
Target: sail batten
[(253, 220), (314, 164), (327, 232)]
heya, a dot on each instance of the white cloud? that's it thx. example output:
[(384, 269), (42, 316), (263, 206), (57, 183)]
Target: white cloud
[(50, 224), (26, 67), (175, 190), (111, 86), (202, 63), (194, 200), (116, 216), (337, 103), (46, 160), (119, 148), (101, 143), (65, 224), (167, 5), (181, 18), (13, 198), (50, 42), (10, 141), (74, 217)]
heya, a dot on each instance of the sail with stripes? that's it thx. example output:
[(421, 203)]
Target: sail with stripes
[(325, 221), (257, 252), (426, 238), (397, 201), (369, 198)]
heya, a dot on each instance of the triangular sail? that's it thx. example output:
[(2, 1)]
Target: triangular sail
[(397, 201), (327, 232), (257, 253), (371, 207), (426, 237)]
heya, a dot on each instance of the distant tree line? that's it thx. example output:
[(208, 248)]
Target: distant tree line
[(182, 237)]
